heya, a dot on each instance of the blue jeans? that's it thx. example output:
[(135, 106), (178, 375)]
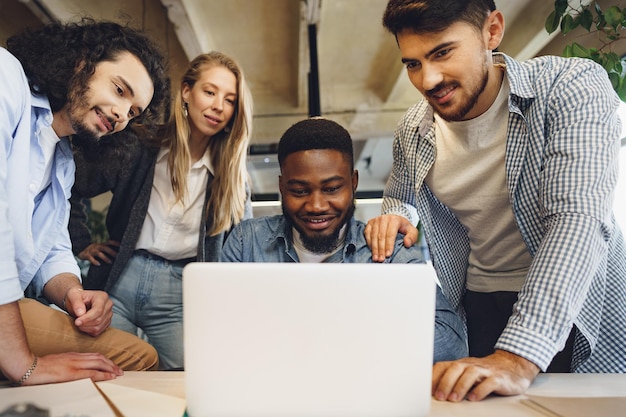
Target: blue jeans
[(148, 296)]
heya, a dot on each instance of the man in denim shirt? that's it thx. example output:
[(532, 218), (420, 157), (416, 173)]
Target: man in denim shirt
[(317, 184)]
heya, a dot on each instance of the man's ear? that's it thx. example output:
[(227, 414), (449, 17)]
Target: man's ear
[(355, 180), (493, 30), (280, 184)]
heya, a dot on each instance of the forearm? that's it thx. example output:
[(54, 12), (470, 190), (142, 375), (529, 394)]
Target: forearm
[(552, 298), (15, 355), (57, 288)]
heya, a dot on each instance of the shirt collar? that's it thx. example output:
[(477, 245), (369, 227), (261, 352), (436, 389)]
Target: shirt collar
[(205, 161), (519, 83), (284, 234), (42, 104)]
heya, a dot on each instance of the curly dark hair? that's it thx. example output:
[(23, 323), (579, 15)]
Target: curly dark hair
[(51, 55)]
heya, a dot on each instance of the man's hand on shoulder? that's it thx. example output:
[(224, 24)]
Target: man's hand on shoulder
[(381, 233), (502, 373)]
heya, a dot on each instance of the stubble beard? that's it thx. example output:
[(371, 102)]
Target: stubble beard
[(466, 107), (85, 138), (320, 243)]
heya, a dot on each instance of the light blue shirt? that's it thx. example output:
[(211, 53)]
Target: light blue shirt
[(561, 165), (268, 239), (34, 239)]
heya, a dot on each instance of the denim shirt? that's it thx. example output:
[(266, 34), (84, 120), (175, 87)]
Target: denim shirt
[(34, 241), (268, 239)]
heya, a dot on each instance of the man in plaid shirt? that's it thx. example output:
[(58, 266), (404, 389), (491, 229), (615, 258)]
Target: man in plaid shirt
[(511, 168)]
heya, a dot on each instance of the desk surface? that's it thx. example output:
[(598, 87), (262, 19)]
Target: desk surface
[(550, 385)]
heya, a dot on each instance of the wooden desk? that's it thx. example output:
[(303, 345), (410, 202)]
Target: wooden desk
[(555, 385)]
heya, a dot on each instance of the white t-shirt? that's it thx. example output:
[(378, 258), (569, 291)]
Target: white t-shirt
[(468, 176)]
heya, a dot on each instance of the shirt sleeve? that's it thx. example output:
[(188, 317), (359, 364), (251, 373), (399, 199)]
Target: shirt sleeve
[(399, 193), (60, 258), (232, 251), (450, 341), (13, 90), (575, 194)]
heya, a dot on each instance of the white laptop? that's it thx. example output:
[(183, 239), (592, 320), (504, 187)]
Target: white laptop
[(308, 340)]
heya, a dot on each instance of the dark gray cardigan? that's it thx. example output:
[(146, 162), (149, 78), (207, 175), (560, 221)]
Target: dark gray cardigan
[(128, 175)]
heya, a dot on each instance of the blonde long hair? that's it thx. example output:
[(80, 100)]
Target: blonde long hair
[(227, 149)]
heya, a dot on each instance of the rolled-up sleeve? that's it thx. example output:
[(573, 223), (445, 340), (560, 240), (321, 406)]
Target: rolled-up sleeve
[(13, 90)]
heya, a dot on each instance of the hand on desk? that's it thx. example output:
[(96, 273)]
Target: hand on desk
[(381, 233), (501, 373), (64, 367)]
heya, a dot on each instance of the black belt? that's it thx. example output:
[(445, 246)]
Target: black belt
[(148, 255)]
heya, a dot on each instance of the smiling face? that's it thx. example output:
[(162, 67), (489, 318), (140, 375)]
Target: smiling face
[(317, 188), (453, 69), (211, 102), (117, 92)]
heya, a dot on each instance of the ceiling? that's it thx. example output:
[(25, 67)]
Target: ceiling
[(362, 84)]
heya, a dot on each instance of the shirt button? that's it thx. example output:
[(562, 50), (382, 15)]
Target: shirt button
[(32, 187)]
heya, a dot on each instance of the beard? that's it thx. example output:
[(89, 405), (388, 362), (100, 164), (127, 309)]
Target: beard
[(317, 242), (78, 107), (85, 139), (88, 141), (465, 108)]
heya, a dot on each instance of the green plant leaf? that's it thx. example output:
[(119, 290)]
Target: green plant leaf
[(610, 26), (612, 62), (586, 19), (568, 23), (621, 89), (595, 55), (560, 6), (619, 68), (615, 80), (600, 23), (579, 50), (567, 51), (598, 9), (613, 16), (552, 22)]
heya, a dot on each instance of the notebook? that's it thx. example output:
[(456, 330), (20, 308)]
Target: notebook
[(308, 340)]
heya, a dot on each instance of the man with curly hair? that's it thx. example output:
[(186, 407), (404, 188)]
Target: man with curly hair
[(82, 80)]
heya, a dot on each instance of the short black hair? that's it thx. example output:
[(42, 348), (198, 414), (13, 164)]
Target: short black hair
[(316, 133), (432, 16)]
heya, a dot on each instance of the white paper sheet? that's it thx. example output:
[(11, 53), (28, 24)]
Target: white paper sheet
[(132, 402), (77, 398)]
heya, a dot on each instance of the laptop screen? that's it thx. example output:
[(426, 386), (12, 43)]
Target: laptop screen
[(288, 339)]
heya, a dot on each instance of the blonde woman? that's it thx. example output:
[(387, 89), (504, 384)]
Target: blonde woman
[(172, 203)]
